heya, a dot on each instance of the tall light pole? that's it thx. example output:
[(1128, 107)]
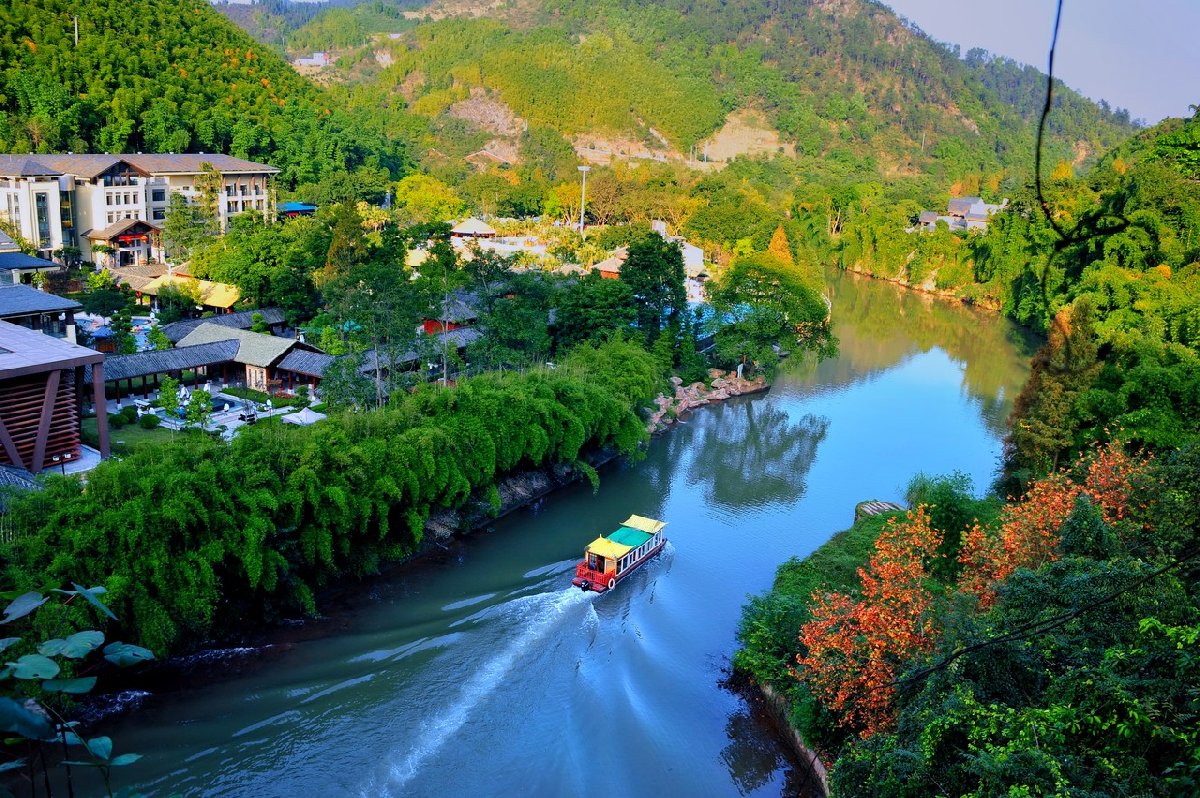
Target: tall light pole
[(583, 170)]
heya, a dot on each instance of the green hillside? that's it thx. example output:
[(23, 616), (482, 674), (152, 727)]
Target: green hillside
[(169, 75), (846, 79)]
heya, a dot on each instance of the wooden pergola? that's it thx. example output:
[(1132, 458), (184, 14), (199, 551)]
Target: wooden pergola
[(39, 400)]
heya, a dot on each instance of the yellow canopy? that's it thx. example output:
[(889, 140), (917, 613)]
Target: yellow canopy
[(607, 548), (217, 295), (648, 525)]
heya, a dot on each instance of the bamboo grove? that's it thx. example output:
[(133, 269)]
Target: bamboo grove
[(196, 537)]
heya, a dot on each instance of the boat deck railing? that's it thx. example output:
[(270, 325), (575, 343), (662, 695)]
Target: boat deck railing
[(595, 577)]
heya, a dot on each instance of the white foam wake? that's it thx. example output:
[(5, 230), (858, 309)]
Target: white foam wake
[(538, 615)]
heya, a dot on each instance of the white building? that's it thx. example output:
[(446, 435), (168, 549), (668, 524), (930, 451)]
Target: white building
[(31, 199), (120, 201)]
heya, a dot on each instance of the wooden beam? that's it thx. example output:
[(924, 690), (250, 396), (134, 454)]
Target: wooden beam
[(10, 446), (43, 430)]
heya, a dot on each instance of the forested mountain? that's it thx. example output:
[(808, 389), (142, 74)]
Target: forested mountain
[(170, 76), (836, 78)]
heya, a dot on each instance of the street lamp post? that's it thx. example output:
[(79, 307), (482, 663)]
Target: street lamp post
[(583, 170)]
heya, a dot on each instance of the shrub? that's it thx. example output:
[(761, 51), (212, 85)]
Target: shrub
[(149, 421)]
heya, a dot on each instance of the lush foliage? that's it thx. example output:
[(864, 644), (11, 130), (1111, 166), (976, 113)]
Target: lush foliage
[(169, 76), (196, 537)]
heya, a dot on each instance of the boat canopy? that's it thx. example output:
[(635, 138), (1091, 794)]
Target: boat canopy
[(649, 525), (608, 548), (630, 537)]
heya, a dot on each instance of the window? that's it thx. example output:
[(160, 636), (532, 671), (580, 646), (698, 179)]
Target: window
[(231, 206), (108, 198), (41, 203), (159, 214), (158, 195)]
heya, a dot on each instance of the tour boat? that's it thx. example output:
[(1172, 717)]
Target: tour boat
[(608, 560)]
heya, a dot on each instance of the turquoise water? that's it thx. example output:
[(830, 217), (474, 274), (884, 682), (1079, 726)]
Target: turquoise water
[(481, 672)]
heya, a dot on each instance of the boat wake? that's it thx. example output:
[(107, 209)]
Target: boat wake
[(537, 615)]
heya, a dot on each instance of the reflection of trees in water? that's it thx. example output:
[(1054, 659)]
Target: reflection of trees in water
[(751, 453), (879, 325), (754, 755)]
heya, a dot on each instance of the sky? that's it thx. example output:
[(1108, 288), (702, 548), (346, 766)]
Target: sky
[(1144, 56)]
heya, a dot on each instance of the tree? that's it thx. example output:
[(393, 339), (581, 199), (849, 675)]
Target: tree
[(654, 273), (178, 299), (853, 650), (763, 303), (168, 397), (1044, 415), (592, 310), (185, 228), (779, 246), (199, 408), (158, 339), (122, 329), (258, 324)]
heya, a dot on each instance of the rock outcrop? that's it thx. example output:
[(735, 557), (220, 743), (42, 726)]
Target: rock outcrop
[(719, 387)]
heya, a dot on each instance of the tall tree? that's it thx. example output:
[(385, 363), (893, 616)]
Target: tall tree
[(654, 273)]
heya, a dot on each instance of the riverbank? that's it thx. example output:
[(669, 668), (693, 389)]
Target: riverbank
[(256, 644), (768, 633), (928, 287)]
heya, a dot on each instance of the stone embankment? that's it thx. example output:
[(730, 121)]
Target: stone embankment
[(720, 386)]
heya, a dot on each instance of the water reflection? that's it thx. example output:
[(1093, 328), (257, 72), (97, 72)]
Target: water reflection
[(755, 454), (880, 325)]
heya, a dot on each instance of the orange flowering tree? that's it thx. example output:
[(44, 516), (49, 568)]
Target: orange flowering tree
[(1029, 530), (853, 648)]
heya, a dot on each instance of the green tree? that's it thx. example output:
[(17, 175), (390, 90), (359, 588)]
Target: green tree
[(766, 303), (168, 397), (199, 408), (653, 271), (592, 309)]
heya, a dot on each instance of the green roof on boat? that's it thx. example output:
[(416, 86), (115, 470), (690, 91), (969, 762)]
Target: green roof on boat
[(630, 537)]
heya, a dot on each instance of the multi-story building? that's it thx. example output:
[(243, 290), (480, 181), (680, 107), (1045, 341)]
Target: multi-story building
[(35, 199), (118, 203)]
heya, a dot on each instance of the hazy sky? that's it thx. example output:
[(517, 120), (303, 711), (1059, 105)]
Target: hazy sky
[(1144, 56)]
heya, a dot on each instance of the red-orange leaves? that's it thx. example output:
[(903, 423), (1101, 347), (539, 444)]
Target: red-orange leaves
[(854, 647), (1029, 531)]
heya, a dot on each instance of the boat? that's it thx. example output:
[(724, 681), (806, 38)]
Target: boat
[(609, 559)]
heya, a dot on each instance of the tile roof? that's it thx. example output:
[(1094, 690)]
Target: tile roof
[(255, 349), (123, 367), (241, 320), (26, 166), (19, 260), (217, 295), (89, 165), (21, 299), (6, 243), (312, 364), (118, 228)]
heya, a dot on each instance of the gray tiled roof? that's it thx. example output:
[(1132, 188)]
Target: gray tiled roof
[(13, 477), (176, 331), (122, 367), (460, 338), (6, 243), (16, 300), (26, 166), (255, 349), (312, 364), (89, 165), (19, 260)]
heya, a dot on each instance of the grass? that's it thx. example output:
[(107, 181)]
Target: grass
[(127, 438)]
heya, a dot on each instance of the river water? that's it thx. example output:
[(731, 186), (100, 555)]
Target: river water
[(480, 672)]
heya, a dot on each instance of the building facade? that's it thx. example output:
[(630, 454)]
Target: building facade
[(112, 207)]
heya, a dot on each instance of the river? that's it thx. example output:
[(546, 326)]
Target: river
[(480, 672)]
